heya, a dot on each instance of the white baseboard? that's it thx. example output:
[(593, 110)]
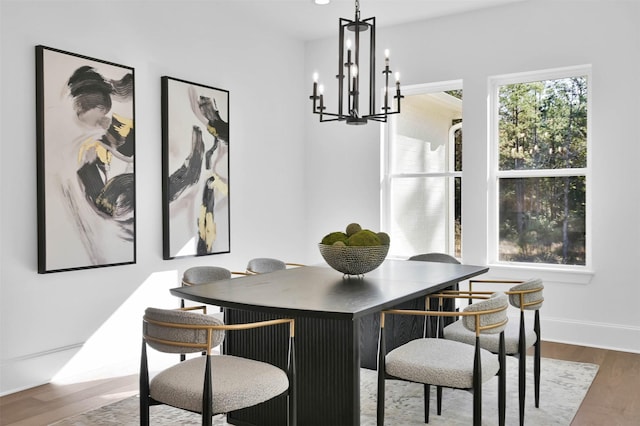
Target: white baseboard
[(35, 369), (596, 335)]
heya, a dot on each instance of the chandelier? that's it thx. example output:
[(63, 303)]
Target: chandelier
[(352, 68)]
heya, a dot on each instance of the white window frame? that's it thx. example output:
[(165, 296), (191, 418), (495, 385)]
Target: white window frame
[(387, 132), (582, 273)]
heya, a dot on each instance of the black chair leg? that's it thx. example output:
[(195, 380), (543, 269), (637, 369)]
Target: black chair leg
[(144, 387), (380, 406), (439, 400), (522, 369), (207, 394), (502, 383), (477, 386), (293, 385), (427, 402), (536, 359), (382, 352)]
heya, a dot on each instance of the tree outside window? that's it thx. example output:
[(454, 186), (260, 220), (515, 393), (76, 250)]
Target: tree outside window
[(542, 171)]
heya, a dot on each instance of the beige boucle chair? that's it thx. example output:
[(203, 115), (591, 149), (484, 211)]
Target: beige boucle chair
[(447, 363), (209, 384), (262, 265), (197, 275), (524, 295)]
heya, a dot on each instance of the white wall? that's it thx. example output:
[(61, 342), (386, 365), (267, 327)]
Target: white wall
[(45, 319), (343, 173)]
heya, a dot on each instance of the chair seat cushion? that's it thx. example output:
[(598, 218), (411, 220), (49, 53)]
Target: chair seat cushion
[(237, 383), (439, 362), (458, 332)]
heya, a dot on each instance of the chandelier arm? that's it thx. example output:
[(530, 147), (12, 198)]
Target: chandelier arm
[(324, 120), (329, 114)]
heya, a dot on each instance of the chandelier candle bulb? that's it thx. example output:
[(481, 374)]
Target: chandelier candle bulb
[(385, 108), (315, 84)]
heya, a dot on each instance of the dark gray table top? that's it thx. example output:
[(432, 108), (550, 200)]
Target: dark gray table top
[(319, 291)]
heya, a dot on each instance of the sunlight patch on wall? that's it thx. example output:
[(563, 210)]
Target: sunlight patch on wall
[(114, 349)]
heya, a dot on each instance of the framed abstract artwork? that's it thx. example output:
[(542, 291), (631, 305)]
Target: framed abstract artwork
[(85, 162), (195, 169)]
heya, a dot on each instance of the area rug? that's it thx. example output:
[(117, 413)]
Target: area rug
[(564, 385)]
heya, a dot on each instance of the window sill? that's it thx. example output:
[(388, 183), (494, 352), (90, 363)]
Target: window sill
[(563, 275)]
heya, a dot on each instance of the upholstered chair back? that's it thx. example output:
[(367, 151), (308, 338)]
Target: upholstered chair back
[(204, 274), (531, 294), (490, 323), (165, 325), (261, 265)]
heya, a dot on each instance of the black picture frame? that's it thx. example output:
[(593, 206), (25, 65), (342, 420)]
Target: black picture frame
[(86, 206), (195, 169)]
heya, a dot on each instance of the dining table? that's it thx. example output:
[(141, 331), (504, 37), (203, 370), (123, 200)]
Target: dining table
[(336, 331)]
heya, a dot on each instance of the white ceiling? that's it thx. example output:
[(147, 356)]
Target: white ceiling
[(305, 20)]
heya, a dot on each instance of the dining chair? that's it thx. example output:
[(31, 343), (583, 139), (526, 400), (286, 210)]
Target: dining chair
[(210, 384), (197, 275), (447, 363), (524, 295), (438, 323), (262, 265), (435, 257)]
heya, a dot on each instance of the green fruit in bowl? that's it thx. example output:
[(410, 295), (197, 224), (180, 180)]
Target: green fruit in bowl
[(352, 228), (364, 237), (331, 238), (385, 239)]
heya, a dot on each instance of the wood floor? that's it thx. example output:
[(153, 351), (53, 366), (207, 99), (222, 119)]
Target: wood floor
[(613, 399)]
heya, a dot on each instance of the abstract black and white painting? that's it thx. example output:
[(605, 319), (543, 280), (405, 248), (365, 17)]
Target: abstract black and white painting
[(85, 162), (195, 151)]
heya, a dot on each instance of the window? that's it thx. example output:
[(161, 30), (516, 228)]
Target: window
[(422, 171), (540, 168)]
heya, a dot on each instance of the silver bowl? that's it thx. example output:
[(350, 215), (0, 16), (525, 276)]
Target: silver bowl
[(354, 260)]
